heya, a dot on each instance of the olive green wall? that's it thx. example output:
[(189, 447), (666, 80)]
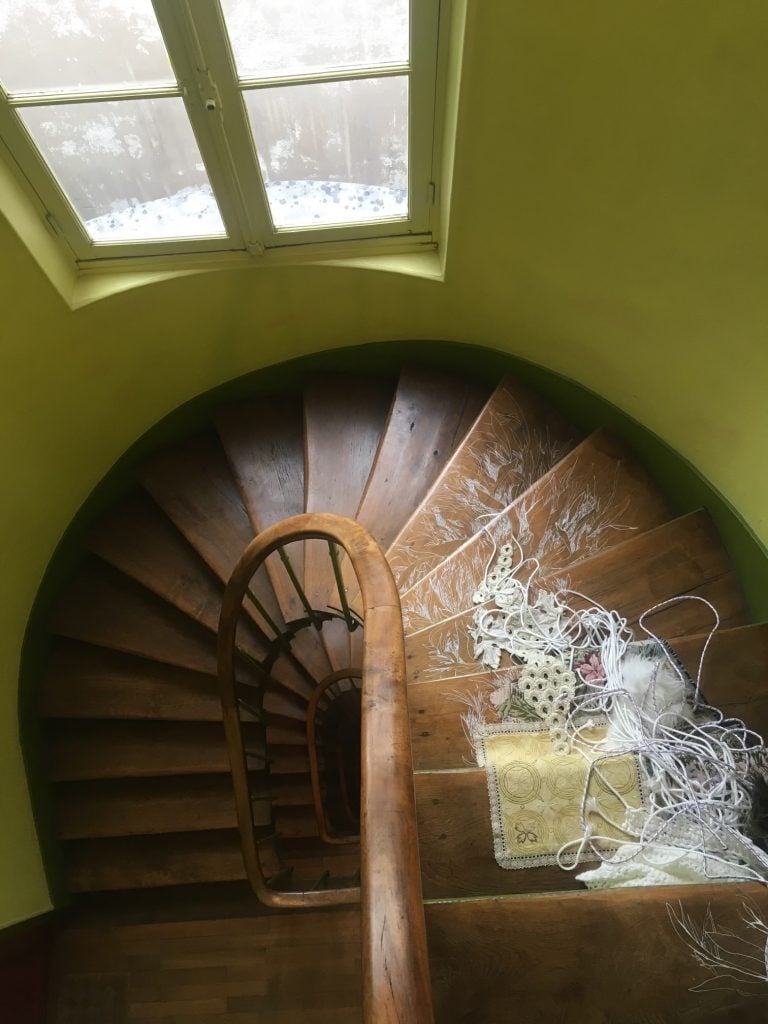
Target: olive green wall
[(610, 222)]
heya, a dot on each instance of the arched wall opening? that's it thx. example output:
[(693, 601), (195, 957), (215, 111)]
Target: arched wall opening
[(685, 488)]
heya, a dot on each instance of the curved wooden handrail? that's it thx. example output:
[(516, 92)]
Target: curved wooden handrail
[(314, 770), (396, 982)]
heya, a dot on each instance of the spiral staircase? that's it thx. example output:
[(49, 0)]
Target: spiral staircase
[(439, 471)]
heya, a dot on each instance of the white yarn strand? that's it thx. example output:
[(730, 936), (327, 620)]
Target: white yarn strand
[(696, 764)]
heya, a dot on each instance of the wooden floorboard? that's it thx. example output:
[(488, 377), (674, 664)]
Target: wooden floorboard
[(294, 969)]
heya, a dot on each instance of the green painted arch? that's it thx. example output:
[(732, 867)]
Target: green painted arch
[(685, 488)]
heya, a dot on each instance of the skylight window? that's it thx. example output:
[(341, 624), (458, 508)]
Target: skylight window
[(181, 127)]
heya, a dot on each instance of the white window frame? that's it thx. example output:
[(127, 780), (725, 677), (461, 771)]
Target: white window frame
[(199, 51)]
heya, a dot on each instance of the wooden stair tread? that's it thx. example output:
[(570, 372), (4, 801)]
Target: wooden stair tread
[(123, 807), (213, 960), (115, 749), (186, 858), (734, 677), (192, 483), (139, 540), (725, 593), (437, 734), (456, 844), (683, 556), (281, 731), (140, 862), (264, 444), (295, 822), (287, 705), (587, 503), (431, 412), (104, 607), (343, 421), (516, 439), (676, 558), (612, 955), (290, 791), (287, 759), (83, 681)]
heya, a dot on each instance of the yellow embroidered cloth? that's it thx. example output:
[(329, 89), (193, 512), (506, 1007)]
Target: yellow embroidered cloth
[(536, 796)]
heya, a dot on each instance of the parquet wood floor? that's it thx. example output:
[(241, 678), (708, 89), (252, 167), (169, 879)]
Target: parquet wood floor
[(300, 968)]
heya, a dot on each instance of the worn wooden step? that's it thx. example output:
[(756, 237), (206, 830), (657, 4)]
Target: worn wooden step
[(680, 557), (278, 702), (735, 679), (445, 652), (190, 858), (311, 858), (110, 750), (437, 733), (516, 439), (344, 417), (602, 957), (735, 672), (456, 844), (287, 759), (193, 485), (83, 681), (725, 593), (137, 538), (430, 415), (103, 606), (592, 500), (124, 807), (283, 731), (431, 412), (683, 556), (295, 822), (290, 791), (264, 446), (140, 862)]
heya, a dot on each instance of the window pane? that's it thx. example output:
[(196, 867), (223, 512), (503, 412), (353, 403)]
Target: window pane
[(333, 153), (131, 169), (292, 37), (70, 45)]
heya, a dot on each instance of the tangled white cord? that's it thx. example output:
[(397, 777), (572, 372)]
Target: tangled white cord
[(696, 764)]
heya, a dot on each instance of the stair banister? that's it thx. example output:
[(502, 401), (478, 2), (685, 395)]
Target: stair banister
[(396, 981)]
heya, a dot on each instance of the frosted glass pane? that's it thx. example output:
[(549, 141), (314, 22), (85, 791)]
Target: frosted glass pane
[(290, 37), (71, 45), (333, 153), (132, 169)]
